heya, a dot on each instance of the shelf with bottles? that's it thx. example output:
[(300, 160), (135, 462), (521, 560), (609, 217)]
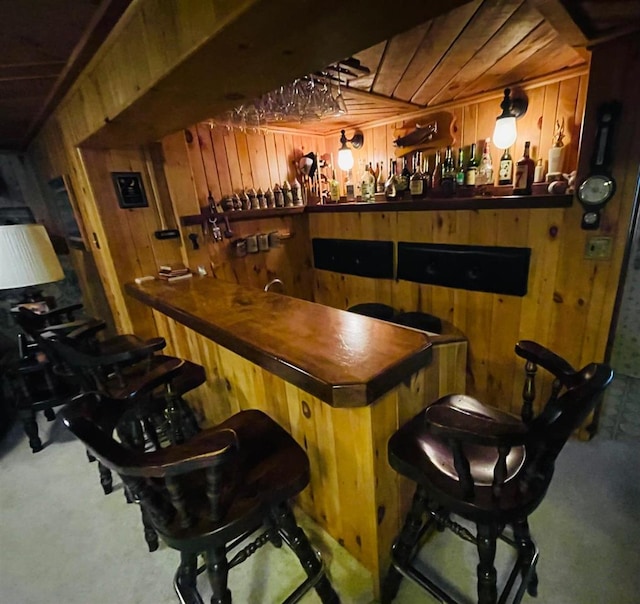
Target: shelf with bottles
[(488, 197), (239, 215)]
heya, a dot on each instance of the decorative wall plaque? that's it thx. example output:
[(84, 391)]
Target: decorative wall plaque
[(130, 189)]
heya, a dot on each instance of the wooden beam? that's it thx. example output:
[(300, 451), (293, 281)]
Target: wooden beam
[(569, 23), (231, 65)]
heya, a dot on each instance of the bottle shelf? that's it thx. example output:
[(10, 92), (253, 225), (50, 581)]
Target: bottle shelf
[(491, 198), (487, 201), (238, 215)]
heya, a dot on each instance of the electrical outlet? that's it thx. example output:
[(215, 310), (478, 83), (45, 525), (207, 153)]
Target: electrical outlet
[(598, 248)]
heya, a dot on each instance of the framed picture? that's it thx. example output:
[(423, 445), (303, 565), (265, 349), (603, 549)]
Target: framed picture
[(130, 189)]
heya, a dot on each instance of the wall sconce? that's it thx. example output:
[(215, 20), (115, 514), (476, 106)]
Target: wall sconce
[(505, 132), (345, 156), (27, 257)]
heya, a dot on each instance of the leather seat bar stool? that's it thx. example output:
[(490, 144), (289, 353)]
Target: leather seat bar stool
[(212, 494), (476, 465)]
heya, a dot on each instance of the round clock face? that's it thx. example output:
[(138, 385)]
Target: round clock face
[(596, 190)]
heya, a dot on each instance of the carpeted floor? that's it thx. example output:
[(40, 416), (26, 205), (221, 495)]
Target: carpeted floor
[(63, 541)]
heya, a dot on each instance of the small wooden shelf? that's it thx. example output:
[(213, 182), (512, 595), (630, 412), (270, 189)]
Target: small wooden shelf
[(197, 219), (483, 202), (479, 202)]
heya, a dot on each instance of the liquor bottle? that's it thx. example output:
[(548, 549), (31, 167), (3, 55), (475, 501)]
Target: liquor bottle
[(505, 172), (448, 173), (426, 175), (350, 188), (471, 172), (525, 169), (390, 190), (367, 185), (460, 171), (416, 184), (436, 175), (380, 179), (334, 188), (485, 169), (403, 180), (373, 172)]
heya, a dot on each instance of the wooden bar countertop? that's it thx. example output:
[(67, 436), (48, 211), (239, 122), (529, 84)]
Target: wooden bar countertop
[(344, 359)]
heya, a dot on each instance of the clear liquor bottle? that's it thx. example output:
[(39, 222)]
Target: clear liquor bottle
[(390, 189), (380, 179), (485, 170)]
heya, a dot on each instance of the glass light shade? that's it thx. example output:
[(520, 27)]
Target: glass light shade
[(345, 159), (505, 132), (27, 257)]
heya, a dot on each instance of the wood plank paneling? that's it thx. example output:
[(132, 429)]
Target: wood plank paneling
[(443, 33), (524, 20), (397, 55), (484, 23), (566, 291), (230, 162)]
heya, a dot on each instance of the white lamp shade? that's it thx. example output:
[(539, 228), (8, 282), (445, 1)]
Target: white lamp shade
[(27, 257), (345, 159), (505, 132)]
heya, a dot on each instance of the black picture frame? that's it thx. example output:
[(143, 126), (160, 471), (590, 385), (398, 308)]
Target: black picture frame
[(130, 190)]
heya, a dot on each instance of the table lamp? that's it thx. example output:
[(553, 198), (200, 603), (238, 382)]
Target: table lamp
[(27, 257)]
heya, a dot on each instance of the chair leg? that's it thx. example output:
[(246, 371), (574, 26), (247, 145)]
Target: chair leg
[(150, 534), (296, 539), (487, 590), (105, 478), (185, 579), (404, 546), (218, 572), (526, 552), (31, 430)]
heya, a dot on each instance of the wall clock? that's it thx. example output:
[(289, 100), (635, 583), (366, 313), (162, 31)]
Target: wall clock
[(599, 187)]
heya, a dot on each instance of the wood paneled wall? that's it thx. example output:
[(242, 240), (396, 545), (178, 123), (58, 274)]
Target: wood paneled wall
[(570, 301), (564, 99), (222, 162)]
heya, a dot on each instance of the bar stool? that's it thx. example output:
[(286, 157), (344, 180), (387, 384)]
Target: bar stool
[(477, 463), (227, 486)]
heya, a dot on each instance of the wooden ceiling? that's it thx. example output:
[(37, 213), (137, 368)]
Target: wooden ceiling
[(481, 46), (45, 45)]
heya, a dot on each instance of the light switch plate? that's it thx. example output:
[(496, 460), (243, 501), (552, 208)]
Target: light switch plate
[(598, 248)]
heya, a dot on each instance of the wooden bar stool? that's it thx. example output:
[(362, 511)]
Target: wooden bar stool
[(228, 485), (477, 463)]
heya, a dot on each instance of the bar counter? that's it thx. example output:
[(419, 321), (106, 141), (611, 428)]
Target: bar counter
[(343, 358), (339, 382)]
